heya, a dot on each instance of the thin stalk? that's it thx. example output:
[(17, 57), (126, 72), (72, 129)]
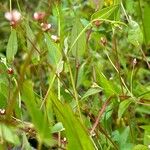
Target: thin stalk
[(144, 56), (101, 111), (121, 77), (18, 5), (140, 9), (39, 145), (131, 79), (10, 5), (125, 12), (74, 88), (48, 91), (117, 60), (59, 46)]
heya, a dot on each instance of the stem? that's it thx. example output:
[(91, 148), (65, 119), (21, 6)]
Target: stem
[(140, 9), (144, 56), (117, 60), (39, 145), (121, 77), (74, 89), (48, 91), (10, 5), (79, 37), (131, 80), (125, 12), (101, 111), (18, 5)]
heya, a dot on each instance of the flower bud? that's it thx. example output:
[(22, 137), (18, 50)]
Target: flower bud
[(39, 16), (55, 38), (97, 23), (134, 61), (46, 26), (103, 41), (2, 111), (10, 71), (13, 16)]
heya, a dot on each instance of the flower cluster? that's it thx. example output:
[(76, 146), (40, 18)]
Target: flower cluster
[(13, 16)]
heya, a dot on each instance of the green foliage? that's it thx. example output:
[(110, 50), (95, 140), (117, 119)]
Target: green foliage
[(12, 46), (38, 118), (75, 130), (75, 75), (123, 106), (135, 39), (104, 13), (78, 49)]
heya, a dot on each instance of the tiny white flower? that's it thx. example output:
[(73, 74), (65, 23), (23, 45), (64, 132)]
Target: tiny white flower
[(55, 38), (2, 111), (134, 61)]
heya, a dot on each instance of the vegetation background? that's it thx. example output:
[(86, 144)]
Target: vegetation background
[(75, 74)]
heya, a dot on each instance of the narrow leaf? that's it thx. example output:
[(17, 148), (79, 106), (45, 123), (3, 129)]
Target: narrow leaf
[(146, 27), (123, 107), (105, 83), (104, 13), (76, 133), (91, 91), (54, 54), (38, 118), (12, 46), (78, 49)]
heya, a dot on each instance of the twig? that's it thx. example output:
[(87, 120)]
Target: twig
[(101, 111)]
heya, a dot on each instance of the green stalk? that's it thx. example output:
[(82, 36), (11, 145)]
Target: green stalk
[(10, 5), (131, 80), (74, 89), (58, 80)]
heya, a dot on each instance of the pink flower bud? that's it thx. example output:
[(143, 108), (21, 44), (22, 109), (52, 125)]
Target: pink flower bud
[(13, 16), (39, 16), (46, 26)]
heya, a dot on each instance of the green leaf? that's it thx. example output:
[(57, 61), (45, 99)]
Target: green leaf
[(105, 83), (123, 107), (104, 13), (31, 41), (146, 133), (78, 50), (38, 118), (140, 147), (81, 74), (54, 54), (146, 27), (58, 127), (124, 136), (91, 91), (76, 133), (8, 133), (12, 46), (135, 35)]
